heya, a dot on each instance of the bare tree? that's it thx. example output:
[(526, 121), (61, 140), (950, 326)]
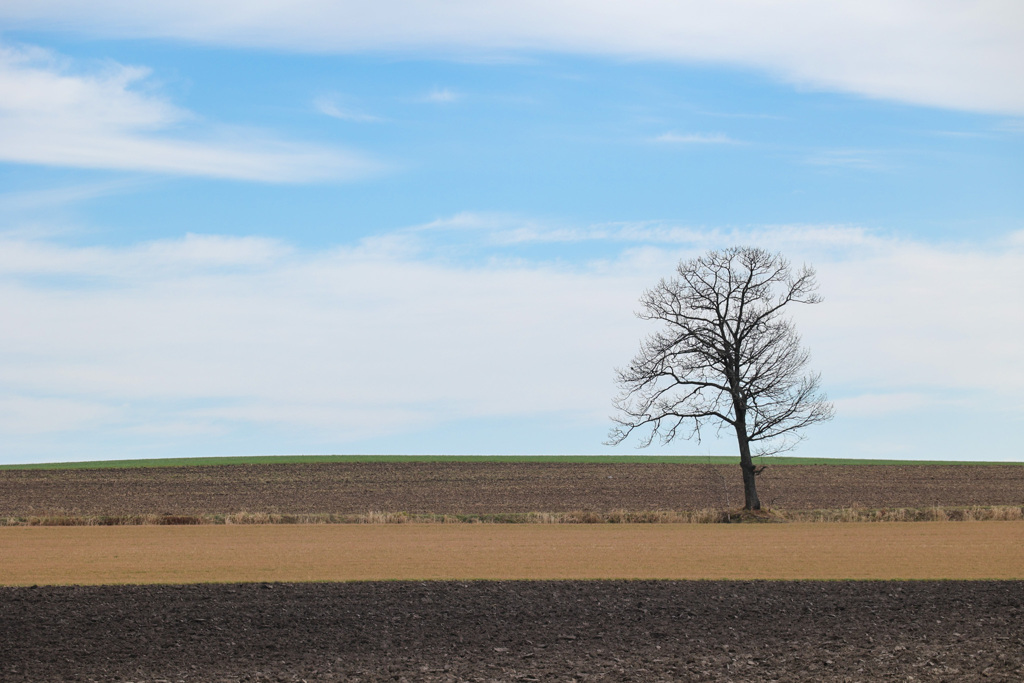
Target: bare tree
[(725, 354)]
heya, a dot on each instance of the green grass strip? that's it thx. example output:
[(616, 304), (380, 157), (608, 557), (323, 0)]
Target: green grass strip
[(592, 459)]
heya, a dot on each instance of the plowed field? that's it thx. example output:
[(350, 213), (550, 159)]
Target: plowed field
[(516, 631), (446, 630), (489, 487)]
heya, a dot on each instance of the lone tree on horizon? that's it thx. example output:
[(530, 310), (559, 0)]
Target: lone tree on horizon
[(725, 354)]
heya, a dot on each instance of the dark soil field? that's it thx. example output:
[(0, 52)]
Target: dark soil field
[(489, 487), (516, 631)]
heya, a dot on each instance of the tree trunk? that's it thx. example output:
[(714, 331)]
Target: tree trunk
[(750, 499)]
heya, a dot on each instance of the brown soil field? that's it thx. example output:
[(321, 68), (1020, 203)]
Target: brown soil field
[(268, 553), (488, 488), (516, 631)]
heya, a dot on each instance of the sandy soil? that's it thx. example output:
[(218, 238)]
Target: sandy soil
[(432, 487), (485, 631), (346, 552)]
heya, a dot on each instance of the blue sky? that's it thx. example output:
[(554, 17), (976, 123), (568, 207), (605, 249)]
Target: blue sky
[(321, 228)]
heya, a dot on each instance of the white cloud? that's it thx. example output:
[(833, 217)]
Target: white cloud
[(27, 200), (441, 96), (696, 139), (51, 115), (510, 229), (149, 260), (947, 53), (873, 405), (332, 106), (1012, 126), (902, 315), (350, 341), (27, 415), (218, 333)]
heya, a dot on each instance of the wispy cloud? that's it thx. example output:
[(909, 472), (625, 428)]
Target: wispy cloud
[(192, 254), (22, 200), (442, 96), (696, 139), (1012, 126), (52, 115), (965, 134), (333, 106), (860, 159), (944, 53), (499, 229)]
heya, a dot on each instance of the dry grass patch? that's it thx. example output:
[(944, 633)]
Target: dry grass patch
[(975, 513)]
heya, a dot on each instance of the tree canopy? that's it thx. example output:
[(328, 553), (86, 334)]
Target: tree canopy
[(726, 354)]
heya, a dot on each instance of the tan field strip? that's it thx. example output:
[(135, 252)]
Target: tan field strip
[(344, 552)]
